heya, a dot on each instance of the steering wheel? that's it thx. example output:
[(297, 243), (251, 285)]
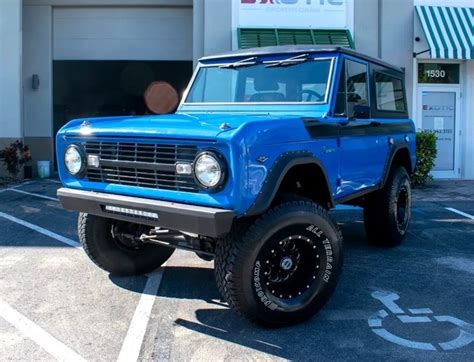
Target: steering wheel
[(310, 94)]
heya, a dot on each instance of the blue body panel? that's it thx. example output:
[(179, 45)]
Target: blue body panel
[(352, 163)]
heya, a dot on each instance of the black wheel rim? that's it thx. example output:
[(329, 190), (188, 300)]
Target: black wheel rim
[(290, 266), (402, 207)]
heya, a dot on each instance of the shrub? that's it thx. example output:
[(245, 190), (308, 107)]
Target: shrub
[(425, 157), (14, 156)]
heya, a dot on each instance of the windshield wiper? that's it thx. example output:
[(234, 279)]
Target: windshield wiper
[(286, 62), (241, 63)]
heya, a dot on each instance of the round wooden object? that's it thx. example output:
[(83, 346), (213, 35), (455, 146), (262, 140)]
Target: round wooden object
[(161, 97)]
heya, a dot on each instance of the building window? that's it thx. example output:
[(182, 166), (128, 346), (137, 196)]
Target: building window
[(436, 73), (389, 93)]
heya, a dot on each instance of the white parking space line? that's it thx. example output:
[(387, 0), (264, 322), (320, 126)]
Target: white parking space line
[(42, 338), (22, 184), (41, 230), (469, 216), (33, 194), (16, 186), (136, 332), (53, 181)]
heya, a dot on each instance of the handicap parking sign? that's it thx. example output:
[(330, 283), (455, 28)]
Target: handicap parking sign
[(417, 315)]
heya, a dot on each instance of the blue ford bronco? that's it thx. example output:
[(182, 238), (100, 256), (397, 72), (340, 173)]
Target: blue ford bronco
[(263, 144)]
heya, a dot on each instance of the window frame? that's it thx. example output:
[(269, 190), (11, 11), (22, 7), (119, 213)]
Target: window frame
[(343, 73), (375, 94), (376, 113), (326, 100)]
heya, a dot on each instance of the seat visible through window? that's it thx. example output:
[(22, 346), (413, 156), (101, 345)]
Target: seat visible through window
[(268, 90), (267, 97)]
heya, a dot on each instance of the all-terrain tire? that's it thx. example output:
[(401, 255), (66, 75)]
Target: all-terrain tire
[(241, 264), (99, 244), (387, 212)]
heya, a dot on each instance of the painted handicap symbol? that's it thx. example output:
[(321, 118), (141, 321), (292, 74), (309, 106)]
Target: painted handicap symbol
[(417, 315)]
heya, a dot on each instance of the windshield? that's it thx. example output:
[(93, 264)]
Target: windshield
[(268, 82)]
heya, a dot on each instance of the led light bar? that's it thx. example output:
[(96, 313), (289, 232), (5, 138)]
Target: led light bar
[(132, 212)]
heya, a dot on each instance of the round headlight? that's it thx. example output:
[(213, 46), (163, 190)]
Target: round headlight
[(73, 160), (209, 170)]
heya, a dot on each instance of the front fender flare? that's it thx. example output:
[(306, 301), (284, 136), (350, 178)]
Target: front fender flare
[(277, 173)]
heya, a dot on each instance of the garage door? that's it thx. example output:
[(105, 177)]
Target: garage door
[(101, 33)]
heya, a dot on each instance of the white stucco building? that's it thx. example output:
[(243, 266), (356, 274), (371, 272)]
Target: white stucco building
[(63, 59)]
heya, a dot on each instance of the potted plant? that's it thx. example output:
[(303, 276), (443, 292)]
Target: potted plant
[(15, 156), (425, 157)]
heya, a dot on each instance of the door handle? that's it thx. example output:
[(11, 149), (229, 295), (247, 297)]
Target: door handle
[(375, 123)]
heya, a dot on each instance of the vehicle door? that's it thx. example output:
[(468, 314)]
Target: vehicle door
[(359, 161)]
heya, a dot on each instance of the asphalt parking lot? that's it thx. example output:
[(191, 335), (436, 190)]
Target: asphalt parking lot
[(411, 302)]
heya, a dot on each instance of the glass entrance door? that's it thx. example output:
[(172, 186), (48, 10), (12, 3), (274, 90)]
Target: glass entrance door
[(438, 110)]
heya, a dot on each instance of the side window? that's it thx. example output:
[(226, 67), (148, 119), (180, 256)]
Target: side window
[(389, 93), (356, 89)]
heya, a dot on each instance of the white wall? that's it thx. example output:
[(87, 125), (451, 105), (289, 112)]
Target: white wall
[(212, 27), (366, 32), (38, 104), (198, 30), (217, 26), (10, 68), (384, 29), (467, 87), (421, 45), (397, 39), (467, 140)]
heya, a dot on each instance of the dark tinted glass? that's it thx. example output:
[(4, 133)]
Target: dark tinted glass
[(356, 89), (389, 93), (340, 106), (438, 73)]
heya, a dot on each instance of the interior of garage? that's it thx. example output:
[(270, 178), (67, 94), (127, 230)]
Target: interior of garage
[(110, 88)]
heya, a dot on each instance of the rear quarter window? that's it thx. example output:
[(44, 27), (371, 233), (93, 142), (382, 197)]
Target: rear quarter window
[(389, 93)]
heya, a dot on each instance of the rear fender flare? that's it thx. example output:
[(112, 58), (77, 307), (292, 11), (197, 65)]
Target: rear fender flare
[(394, 149)]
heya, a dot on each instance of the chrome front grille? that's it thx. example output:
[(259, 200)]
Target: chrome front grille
[(141, 164)]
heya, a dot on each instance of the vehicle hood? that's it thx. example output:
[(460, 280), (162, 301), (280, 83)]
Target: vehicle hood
[(179, 125), (202, 125)]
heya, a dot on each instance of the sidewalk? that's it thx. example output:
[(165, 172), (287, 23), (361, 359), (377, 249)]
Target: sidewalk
[(448, 190)]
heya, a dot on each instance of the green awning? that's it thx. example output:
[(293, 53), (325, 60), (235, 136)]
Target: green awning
[(261, 37), (449, 31)]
